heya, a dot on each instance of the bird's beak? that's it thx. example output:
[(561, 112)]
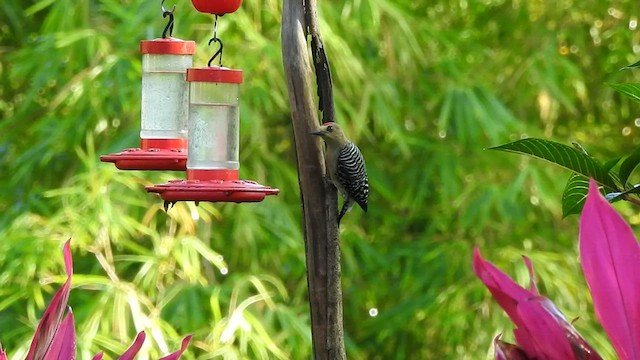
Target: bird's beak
[(316, 133)]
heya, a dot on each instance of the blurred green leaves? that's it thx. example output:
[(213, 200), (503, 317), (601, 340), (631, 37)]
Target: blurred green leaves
[(422, 87)]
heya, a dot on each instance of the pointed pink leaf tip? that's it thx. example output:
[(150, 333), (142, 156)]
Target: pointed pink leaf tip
[(52, 317), (506, 291), (610, 259), (98, 356), (131, 353), (68, 260), (176, 355)]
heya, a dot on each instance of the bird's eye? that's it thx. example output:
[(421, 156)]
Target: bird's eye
[(329, 128)]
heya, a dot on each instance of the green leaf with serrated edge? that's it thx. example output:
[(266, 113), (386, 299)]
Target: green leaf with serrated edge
[(632, 66), (562, 155), (574, 195), (628, 165), (629, 89)]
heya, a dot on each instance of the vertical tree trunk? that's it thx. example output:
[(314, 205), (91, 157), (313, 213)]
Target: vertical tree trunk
[(319, 198)]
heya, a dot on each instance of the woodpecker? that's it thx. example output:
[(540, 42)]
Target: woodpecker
[(345, 167)]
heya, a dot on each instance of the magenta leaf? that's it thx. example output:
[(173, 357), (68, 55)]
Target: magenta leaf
[(610, 258), (542, 332), (135, 347), (3, 354), (98, 356), (64, 341), (506, 351), (506, 291), (548, 336), (50, 321), (176, 355)]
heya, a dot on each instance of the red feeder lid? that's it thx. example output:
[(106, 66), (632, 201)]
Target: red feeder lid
[(215, 74), (164, 144), (237, 191), (218, 7), (171, 46), (149, 159), (212, 174)]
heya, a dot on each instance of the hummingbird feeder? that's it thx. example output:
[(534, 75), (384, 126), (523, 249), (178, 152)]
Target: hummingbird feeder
[(164, 107), (213, 135)]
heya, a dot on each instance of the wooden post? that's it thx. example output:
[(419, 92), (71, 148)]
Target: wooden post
[(319, 198)]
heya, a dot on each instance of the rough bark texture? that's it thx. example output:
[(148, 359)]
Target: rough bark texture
[(319, 198)]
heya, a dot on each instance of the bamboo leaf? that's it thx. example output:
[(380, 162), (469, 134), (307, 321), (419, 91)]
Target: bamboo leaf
[(631, 90), (562, 155), (632, 66)]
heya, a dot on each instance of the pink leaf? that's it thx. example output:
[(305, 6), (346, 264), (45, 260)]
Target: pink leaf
[(63, 345), (506, 351), (581, 349), (48, 325), (549, 337), (3, 354), (98, 356), (176, 355), (506, 291), (135, 347), (610, 258), (541, 330)]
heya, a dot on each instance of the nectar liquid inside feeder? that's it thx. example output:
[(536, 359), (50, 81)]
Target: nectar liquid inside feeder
[(164, 108), (212, 164), (214, 121)]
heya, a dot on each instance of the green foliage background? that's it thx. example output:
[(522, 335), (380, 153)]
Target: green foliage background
[(422, 86)]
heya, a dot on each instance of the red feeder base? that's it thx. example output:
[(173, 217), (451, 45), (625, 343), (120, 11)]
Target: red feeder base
[(237, 191), (155, 154)]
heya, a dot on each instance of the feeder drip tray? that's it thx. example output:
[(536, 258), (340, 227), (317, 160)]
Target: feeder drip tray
[(148, 159), (237, 191)]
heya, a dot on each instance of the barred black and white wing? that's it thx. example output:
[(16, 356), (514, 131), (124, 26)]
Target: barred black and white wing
[(352, 174)]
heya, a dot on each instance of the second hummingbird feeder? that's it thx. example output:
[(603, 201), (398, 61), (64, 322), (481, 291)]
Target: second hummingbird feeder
[(214, 123)]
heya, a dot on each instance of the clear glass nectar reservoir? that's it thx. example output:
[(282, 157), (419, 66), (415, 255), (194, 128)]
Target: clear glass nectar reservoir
[(165, 95), (214, 118)]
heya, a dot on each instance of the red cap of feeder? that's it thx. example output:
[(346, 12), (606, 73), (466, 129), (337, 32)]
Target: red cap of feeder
[(217, 7), (215, 74), (170, 46)]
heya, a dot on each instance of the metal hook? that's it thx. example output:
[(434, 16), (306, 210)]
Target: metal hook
[(217, 53), (216, 40), (169, 26)]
